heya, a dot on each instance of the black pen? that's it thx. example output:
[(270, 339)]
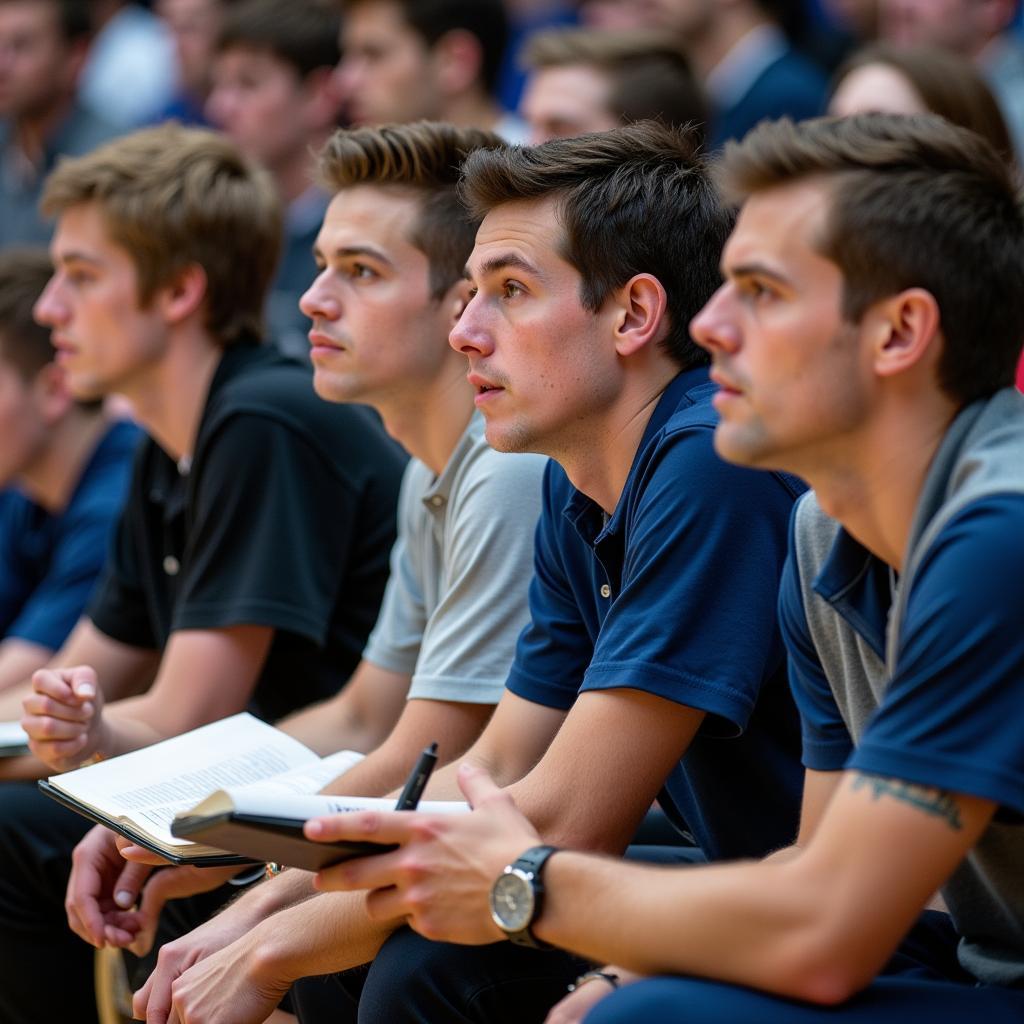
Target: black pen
[(414, 785)]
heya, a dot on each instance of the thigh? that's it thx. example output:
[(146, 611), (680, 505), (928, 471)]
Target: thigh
[(889, 1000), (416, 981), (328, 998)]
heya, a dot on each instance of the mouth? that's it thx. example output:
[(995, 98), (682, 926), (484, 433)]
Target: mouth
[(483, 387), (725, 386), (320, 341)]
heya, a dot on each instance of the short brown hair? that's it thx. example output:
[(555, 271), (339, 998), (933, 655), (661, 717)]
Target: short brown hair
[(24, 344), (631, 200), (425, 157), (301, 33), (650, 76), (948, 84), (915, 202), (175, 197)]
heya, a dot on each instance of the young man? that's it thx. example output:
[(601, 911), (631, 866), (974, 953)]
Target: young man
[(274, 94), (392, 251), (652, 632), (587, 80), (251, 557), (846, 348), (403, 60), (64, 468), (44, 44)]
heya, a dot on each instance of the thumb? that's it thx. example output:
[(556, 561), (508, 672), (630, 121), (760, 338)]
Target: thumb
[(476, 784), (128, 884)]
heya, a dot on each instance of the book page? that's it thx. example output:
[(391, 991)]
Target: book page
[(149, 786), (309, 778), (13, 739)]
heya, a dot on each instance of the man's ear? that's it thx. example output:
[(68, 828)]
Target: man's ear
[(640, 313), (906, 331), (184, 294)]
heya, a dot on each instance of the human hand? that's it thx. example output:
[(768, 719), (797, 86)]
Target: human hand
[(231, 986), (152, 1002), (575, 1006), (63, 716), (440, 878), (102, 890)]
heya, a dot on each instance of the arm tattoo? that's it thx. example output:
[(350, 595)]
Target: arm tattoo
[(937, 802)]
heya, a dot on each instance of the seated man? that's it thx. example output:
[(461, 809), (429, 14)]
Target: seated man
[(64, 467), (849, 348), (392, 251), (652, 662), (251, 556)]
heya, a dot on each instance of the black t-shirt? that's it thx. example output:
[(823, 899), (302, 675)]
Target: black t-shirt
[(285, 518)]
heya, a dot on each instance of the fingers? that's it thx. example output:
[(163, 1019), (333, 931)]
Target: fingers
[(369, 826), (129, 884), (377, 871), (66, 685), (476, 784), (139, 854)]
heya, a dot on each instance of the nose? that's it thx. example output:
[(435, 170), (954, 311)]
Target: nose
[(469, 335), (714, 328), (49, 309), (317, 302)]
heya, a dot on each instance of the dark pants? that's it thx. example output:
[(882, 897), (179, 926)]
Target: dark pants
[(45, 969), (923, 982)]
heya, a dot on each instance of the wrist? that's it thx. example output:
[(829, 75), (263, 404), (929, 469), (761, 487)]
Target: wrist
[(607, 977)]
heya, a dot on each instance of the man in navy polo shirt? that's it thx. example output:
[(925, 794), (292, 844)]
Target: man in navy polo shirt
[(848, 347), (653, 632), (64, 467)]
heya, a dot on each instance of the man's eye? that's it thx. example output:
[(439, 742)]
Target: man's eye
[(512, 290), (362, 271)]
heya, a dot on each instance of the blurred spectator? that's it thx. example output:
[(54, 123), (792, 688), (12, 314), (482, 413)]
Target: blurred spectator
[(857, 18), (130, 72), (195, 27), (978, 29), (43, 46), (588, 80), (918, 80), (525, 19), (404, 60), (275, 94), (64, 469), (616, 15), (740, 51)]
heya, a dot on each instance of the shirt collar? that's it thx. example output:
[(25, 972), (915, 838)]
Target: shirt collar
[(436, 496)]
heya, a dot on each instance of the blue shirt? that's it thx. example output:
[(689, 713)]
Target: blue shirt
[(675, 595), (951, 715), (49, 563)]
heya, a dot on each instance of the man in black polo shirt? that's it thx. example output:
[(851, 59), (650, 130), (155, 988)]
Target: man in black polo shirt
[(249, 564)]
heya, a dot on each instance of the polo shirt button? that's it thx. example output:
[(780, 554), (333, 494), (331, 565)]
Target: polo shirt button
[(437, 501), (606, 591), (171, 565)]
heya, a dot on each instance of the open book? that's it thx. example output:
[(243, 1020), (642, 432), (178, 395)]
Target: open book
[(13, 739), (138, 794)]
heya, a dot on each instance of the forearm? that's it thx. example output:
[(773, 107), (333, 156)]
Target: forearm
[(265, 898), (18, 660), (325, 728), (330, 932)]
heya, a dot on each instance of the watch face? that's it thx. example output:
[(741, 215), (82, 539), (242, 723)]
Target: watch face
[(512, 901)]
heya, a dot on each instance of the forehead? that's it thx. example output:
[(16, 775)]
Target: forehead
[(572, 86), (82, 231), (375, 21), (527, 230), (29, 17), (376, 215), (782, 225), (242, 59)]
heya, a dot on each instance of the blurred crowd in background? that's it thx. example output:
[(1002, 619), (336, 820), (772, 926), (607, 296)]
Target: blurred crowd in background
[(279, 75)]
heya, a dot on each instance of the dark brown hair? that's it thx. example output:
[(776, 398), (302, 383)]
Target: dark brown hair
[(24, 344), (632, 200), (650, 76), (173, 197), (425, 157), (948, 84), (916, 202)]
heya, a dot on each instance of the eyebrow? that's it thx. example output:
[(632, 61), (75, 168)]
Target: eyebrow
[(348, 251), (78, 257), (755, 269), (501, 262)]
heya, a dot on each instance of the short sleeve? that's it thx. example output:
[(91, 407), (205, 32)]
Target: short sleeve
[(695, 617), (470, 638), (554, 649), (951, 716), (825, 738), (271, 532)]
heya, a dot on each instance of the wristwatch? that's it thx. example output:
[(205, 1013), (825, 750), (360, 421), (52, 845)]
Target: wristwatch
[(517, 896)]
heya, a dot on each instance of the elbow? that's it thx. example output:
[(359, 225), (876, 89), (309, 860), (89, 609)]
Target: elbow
[(823, 971)]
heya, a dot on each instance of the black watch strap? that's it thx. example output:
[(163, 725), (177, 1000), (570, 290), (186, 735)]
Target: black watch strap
[(532, 861)]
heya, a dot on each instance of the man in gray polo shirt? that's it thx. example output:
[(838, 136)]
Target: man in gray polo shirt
[(391, 255)]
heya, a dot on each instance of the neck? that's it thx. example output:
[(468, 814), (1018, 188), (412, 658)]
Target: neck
[(709, 47), (169, 397), (429, 420), (53, 477), (599, 456), (875, 496)]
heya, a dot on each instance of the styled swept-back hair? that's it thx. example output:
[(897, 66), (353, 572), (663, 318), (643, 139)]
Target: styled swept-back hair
[(175, 197), (633, 200), (426, 157), (916, 202)]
